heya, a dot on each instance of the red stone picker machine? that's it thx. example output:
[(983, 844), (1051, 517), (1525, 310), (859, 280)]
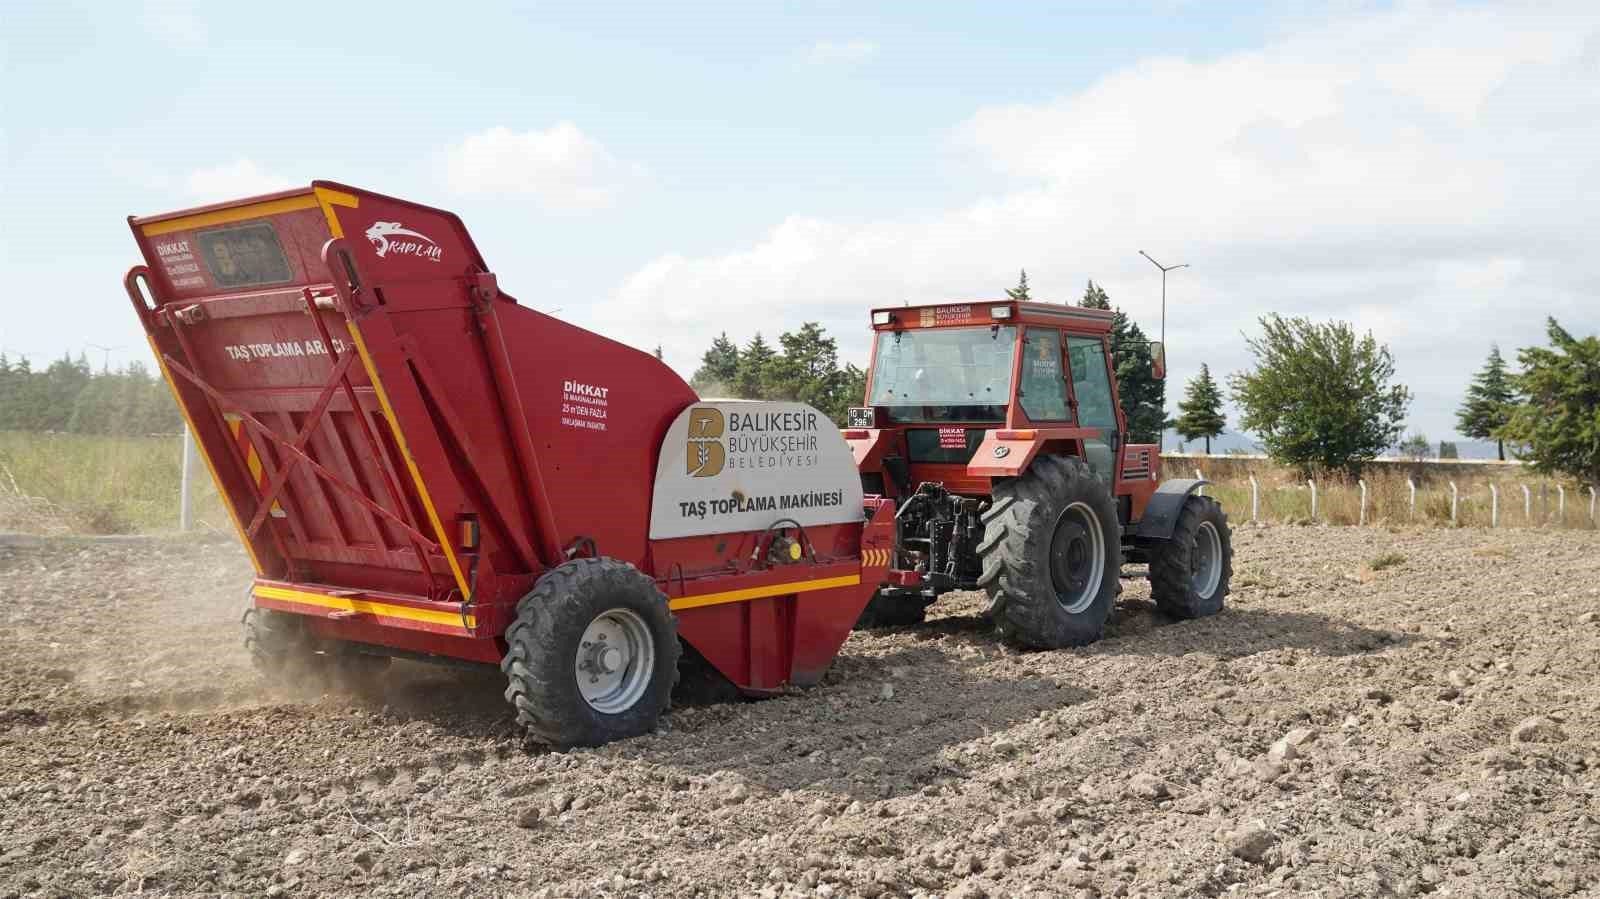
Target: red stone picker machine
[(420, 467)]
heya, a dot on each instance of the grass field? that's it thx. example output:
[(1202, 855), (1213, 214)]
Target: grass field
[(84, 484), (87, 484), (1284, 497)]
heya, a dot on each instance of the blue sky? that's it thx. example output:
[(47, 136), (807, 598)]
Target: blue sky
[(663, 172)]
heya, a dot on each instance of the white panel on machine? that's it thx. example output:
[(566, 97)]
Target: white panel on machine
[(734, 465)]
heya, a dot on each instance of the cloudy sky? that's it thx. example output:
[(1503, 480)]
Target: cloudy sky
[(663, 172)]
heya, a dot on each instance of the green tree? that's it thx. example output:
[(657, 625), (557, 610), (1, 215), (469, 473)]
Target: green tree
[(1143, 395), (1320, 397), (753, 374), (1558, 421), (1416, 447), (1447, 450), (1020, 292), (719, 367), (1489, 401), (808, 369), (1200, 412)]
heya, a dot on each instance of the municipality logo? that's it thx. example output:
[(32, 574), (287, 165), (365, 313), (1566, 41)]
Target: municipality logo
[(707, 455)]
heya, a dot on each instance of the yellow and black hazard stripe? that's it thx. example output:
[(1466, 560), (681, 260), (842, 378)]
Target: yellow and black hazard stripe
[(252, 459), (875, 558)]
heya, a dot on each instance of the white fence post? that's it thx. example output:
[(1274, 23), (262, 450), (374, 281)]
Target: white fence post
[(1494, 506), (1413, 486), (1591, 505), (186, 484), (1200, 477), (1527, 503), (1313, 484), (1454, 497), (1561, 504), (1363, 485), (1255, 500)]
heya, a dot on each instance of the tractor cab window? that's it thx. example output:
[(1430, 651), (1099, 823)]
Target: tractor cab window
[(1044, 389), (944, 374), (1091, 386)]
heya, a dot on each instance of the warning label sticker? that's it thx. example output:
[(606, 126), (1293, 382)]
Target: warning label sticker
[(584, 406)]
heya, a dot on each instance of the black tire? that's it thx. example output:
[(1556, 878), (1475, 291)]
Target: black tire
[(1039, 561), (889, 611), (277, 642), (545, 645), (1176, 583), (280, 648)]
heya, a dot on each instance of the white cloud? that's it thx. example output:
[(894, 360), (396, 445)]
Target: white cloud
[(824, 53), (1419, 172), (174, 23), (560, 167), (240, 178)]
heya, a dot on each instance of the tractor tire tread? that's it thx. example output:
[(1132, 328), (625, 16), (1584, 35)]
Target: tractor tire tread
[(1022, 598), (1171, 582)]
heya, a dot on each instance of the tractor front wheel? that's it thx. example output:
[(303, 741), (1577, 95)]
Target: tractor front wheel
[(1051, 552), (592, 655), (1189, 573)]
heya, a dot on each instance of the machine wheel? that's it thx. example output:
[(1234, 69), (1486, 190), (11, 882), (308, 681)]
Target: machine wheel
[(276, 643), (280, 648), (592, 655), (888, 611), (1189, 574), (1051, 550)]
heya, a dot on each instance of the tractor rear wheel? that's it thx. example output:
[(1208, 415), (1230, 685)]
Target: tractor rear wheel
[(1189, 573), (1051, 552), (592, 655), (891, 611)]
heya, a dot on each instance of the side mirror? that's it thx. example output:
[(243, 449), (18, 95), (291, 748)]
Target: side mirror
[(1158, 360)]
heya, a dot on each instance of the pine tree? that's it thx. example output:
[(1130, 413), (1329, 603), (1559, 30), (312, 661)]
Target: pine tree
[(1200, 413), (1489, 402), (755, 369), (719, 367), (1020, 292), (1557, 424), (1143, 395)]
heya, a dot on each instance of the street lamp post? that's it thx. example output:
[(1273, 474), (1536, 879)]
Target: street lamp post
[(1164, 270), (1161, 436)]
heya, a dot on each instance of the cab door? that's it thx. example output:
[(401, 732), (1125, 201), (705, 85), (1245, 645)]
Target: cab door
[(1093, 401)]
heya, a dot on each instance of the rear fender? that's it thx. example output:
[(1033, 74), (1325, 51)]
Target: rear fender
[(1007, 452), (1161, 514)]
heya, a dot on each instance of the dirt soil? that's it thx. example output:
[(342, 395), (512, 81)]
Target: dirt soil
[(1432, 726)]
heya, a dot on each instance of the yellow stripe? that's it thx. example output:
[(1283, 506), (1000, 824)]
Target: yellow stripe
[(200, 447), (223, 216), (749, 593), (405, 452), (365, 606), (331, 198)]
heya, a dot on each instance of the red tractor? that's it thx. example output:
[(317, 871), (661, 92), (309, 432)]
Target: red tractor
[(996, 429)]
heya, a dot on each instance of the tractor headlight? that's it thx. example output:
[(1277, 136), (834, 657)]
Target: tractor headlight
[(1000, 311), (882, 317)]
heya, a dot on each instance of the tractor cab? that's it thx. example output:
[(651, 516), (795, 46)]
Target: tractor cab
[(943, 377)]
